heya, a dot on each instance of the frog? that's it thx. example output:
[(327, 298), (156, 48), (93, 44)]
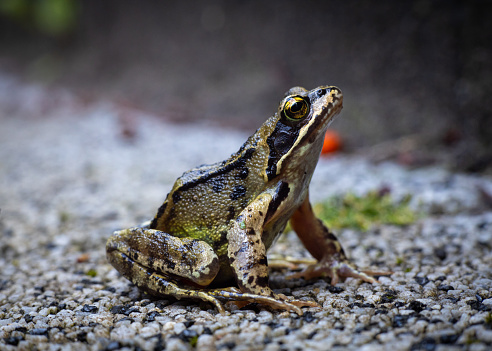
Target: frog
[(210, 237)]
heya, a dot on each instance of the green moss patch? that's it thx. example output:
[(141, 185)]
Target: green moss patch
[(361, 212)]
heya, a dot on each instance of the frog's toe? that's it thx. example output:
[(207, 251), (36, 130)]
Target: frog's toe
[(206, 297), (337, 271), (282, 302), (344, 271), (294, 305), (284, 305), (298, 303), (278, 301)]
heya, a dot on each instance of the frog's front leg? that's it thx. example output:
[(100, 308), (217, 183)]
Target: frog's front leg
[(325, 247), (247, 256), (162, 264)]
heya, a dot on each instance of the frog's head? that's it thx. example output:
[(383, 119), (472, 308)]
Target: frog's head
[(301, 122)]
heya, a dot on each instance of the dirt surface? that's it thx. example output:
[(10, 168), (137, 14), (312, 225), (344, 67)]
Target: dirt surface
[(71, 178)]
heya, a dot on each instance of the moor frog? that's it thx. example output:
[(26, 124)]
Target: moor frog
[(210, 237)]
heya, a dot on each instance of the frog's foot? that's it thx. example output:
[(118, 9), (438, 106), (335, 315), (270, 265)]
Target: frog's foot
[(277, 301), (337, 270)]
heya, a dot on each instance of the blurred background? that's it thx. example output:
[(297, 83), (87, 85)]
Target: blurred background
[(416, 75)]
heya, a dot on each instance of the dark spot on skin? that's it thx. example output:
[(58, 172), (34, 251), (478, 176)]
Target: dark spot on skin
[(176, 197), (250, 280), (170, 264), (247, 267), (184, 257), (188, 247), (327, 234), (231, 213), (243, 173), (331, 247), (251, 231), (153, 254), (244, 247), (237, 192), (217, 184), (172, 213), (128, 265), (263, 261), (331, 236), (260, 213), (279, 196), (262, 281), (135, 256), (223, 236)]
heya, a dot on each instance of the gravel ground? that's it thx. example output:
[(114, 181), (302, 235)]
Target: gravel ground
[(69, 179)]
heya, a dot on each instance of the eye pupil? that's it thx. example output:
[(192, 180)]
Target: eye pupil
[(296, 106)]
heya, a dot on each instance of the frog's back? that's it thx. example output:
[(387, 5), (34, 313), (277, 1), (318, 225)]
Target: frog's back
[(204, 199)]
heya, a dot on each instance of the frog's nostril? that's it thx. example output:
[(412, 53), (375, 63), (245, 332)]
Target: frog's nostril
[(320, 92)]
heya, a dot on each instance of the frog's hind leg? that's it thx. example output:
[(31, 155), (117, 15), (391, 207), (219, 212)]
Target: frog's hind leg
[(155, 283), (157, 262), (157, 251)]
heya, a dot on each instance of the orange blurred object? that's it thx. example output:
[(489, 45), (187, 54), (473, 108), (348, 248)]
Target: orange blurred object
[(332, 142), (83, 258)]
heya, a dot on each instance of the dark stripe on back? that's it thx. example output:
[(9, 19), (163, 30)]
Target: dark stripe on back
[(240, 162)]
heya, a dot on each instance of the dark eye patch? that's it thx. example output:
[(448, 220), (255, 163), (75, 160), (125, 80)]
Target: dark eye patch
[(279, 142)]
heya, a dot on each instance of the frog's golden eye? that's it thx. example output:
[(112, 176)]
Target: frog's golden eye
[(296, 107)]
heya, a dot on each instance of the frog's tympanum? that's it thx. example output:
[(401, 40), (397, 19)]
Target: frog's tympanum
[(210, 237)]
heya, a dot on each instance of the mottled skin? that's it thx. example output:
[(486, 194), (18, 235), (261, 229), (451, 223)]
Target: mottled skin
[(210, 237)]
